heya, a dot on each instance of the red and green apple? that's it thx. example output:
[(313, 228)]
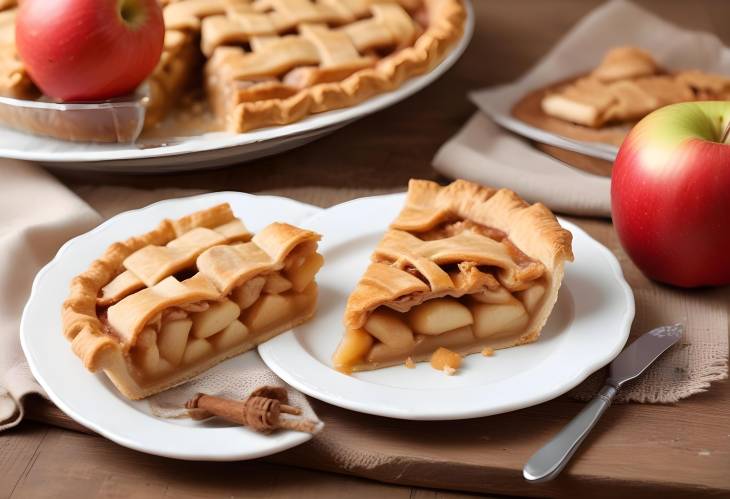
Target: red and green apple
[(670, 194), (85, 50)]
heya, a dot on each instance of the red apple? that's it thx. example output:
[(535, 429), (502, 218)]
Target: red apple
[(84, 50), (670, 194)]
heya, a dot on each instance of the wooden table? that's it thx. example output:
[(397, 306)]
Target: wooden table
[(644, 450)]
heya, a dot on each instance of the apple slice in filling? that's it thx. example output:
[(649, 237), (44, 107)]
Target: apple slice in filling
[(263, 304)]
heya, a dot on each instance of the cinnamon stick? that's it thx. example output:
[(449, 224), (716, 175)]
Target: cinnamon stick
[(260, 413)]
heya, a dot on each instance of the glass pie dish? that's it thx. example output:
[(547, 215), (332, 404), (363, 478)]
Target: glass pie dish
[(118, 120)]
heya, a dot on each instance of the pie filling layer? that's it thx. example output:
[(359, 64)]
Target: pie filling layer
[(484, 302), (193, 333), (189, 334)]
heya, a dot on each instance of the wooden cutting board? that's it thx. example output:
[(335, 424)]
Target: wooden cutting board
[(630, 453)]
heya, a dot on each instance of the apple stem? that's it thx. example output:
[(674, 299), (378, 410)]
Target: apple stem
[(726, 134)]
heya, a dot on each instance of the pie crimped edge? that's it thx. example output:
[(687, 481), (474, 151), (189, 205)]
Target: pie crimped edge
[(100, 351), (533, 229)]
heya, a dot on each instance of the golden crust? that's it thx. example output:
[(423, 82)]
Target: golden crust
[(83, 327), (14, 79), (533, 229), (446, 26)]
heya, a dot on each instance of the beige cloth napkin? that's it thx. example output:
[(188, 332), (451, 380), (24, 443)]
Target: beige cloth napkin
[(37, 215), (485, 153)]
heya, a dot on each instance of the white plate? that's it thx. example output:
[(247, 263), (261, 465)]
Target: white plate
[(588, 328), (606, 152), (91, 399), (214, 149)]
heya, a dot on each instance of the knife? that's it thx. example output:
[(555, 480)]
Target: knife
[(549, 461)]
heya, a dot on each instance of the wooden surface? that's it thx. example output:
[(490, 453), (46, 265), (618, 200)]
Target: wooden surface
[(42, 461), (646, 451), (637, 450)]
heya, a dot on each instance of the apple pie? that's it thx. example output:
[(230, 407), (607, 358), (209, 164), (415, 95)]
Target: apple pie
[(462, 269), (626, 86), (160, 308), (273, 62)]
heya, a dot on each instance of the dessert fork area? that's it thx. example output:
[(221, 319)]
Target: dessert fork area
[(643, 450)]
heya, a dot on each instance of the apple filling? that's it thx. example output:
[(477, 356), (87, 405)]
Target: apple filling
[(490, 318), (192, 333), (184, 335), (481, 304)]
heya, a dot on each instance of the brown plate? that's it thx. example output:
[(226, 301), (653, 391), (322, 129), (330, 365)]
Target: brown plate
[(529, 110)]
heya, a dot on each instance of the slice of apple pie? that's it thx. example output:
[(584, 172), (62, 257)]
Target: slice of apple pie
[(162, 307), (626, 86), (465, 268)]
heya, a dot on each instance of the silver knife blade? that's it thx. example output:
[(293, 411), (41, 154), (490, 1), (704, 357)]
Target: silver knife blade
[(549, 461), (641, 353)]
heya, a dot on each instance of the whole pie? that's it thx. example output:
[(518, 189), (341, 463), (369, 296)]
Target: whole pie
[(627, 85), (273, 62), (462, 269), (159, 308)]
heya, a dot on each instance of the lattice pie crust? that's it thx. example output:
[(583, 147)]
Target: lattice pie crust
[(464, 267), (162, 307)]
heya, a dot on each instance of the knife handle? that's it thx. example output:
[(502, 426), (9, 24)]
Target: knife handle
[(549, 461)]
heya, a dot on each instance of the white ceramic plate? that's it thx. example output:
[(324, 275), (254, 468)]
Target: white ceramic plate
[(91, 399), (214, 149), (588, 328)]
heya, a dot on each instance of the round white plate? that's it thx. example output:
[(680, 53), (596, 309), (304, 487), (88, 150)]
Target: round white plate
[(214, 149), (91, 399), (587, 329)]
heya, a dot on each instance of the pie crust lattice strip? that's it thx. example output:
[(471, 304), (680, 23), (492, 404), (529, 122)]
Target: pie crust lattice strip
[(160, 308), (463, 267)]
